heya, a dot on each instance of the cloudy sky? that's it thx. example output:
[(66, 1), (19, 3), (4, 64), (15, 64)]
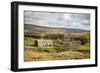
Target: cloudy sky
[(58, 19)]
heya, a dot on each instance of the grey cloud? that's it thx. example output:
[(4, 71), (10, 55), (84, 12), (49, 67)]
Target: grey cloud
[(54, 19)]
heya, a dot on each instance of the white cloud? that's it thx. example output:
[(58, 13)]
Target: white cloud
[(67, 16)]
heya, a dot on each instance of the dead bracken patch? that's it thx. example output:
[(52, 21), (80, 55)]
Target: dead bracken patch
[(44, 56)]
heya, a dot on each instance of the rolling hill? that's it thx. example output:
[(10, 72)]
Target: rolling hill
[(34, 29)]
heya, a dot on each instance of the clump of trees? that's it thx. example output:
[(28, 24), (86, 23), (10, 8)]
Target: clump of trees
[(83, 39), (54, 36), (66, 45), (37, 36)]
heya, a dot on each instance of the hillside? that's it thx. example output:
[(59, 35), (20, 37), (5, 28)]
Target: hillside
[(33, 29)]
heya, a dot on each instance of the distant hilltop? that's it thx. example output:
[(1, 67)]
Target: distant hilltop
[(29, 28)]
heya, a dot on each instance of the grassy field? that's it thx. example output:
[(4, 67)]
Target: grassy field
[(30, 55), (85, 47)]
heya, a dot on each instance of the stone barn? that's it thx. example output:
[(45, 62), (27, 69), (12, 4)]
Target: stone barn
[(43, 43)]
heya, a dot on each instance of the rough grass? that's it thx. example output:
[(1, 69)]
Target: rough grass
[(85, 47), (28, 41), (36, 56), (44, 56), (50, 49)]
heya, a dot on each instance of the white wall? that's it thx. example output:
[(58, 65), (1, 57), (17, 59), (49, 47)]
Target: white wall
[(5, 17)]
